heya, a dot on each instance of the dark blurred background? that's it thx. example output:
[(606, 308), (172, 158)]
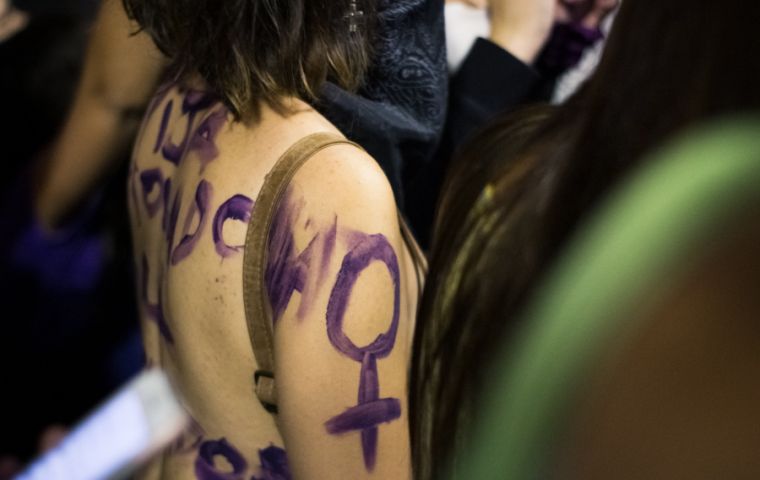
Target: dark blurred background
[(69, 332)]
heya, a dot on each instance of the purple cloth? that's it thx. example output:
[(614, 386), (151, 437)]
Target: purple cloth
[(70, 258), (565, 47), (65, 260)]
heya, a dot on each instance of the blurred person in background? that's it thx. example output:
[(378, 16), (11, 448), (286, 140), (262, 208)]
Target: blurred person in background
[(665, 68), (583, 25), (397, 114), (637, 356), (60, 287), (504, 54), (12, 20)]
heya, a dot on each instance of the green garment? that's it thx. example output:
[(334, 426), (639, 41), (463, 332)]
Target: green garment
[(643, 233)]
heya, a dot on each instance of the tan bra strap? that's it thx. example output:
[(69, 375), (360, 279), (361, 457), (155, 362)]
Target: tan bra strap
[(258, 311)]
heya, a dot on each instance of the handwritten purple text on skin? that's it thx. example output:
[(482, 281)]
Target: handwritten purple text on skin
[(190, 439), (328, 246), (288, 270), (370, 411), (273, 462), (171, 223), (236, 208), (161, 93), (194, 102), (152, 181), (323, 245), (162, 127), (200, 207), (205, 467), (157, 193), (166, 191), (204, 138)]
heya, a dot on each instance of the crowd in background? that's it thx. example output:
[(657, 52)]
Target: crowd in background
[(70, 316), (507, 147)]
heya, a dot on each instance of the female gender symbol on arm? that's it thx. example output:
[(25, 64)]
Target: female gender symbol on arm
[(370, 410)]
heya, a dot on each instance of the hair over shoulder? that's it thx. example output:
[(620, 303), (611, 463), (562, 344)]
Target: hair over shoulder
[(260, 50)]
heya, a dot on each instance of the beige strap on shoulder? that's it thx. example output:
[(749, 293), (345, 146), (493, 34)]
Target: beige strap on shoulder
[(258, 311)]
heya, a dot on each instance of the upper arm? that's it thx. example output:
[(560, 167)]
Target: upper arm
[(122, 67), (120, 73), (336, 278)]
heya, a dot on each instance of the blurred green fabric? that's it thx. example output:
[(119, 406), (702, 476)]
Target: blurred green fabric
[(641, 235)]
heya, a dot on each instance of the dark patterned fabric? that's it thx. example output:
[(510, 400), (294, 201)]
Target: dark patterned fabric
[(398, 115)]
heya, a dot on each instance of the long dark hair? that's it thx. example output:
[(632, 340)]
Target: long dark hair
[(253, 50), (667, 65)]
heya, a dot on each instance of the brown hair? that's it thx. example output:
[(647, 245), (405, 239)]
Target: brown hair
[(260, 50), (666, 66), (469, 268), (476, 164)]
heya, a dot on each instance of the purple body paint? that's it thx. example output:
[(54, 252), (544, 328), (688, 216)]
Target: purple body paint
[(365, 417), (157, 191), (328, 246), (197, 100), (190, 439), (352, 238), (200, 207), (162, 127), (194, 102), (370, 411), (173, 152), (324, 244), (374, 247), (565, 47), (151, 179), (171, 223), (204, 138), (274, 464), (155, 311), (165, 192), (287, 270), (205, 469), (159, 97), (236, 208)]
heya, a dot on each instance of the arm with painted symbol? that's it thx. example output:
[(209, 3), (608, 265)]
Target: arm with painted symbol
[(338, 282)]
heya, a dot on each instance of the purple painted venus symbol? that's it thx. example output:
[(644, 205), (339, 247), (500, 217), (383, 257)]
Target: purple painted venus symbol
[(371, 410)]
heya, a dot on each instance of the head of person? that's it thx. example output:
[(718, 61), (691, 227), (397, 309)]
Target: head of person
[(666, 67), (469, 269), (253, 51), (671, 397), (477, 164)]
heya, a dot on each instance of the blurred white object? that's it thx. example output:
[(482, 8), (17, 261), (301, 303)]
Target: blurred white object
[(464, 24), (128, 429)]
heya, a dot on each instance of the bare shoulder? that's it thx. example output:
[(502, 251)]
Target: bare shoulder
[(344, 179), (337, 286)]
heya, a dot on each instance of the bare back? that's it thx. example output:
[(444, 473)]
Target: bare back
[(194, 178)]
